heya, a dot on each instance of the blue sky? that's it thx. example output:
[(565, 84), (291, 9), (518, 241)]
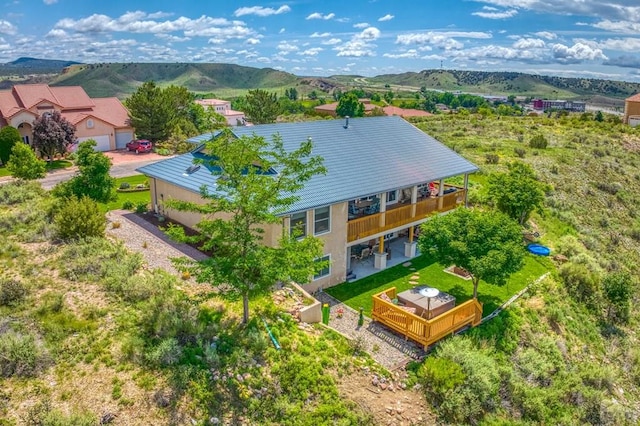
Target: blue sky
[(590, 38)]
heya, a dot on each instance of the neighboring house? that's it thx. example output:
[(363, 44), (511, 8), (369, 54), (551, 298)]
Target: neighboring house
[(105, 120), (545, 104), (405, 112), (384, 177), (234, 118), (330, 109), (632, 110)]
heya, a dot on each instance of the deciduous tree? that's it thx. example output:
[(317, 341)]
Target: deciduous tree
[(488, 244), (517, 193), (23, 163), (618, 288), (9, 136), (53, 134), (247, 200), (262, 107), (93, 179), (350, 105)]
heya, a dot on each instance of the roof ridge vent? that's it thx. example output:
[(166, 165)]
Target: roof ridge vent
[(346, 122)]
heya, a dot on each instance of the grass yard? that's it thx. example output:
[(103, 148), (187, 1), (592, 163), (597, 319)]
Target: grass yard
[(134, 197), (54, 165), (4, 172), (358, 293)]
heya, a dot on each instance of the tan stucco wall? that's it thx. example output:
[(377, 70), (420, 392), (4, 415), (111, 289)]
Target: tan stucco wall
[(100, 128), (630, 108), (23, 117)]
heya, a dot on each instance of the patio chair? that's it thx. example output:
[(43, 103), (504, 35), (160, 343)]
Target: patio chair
[(373, 208), (366, 253), (354, 212)]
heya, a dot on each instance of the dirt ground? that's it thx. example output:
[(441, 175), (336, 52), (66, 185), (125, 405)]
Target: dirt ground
[(124, 156)]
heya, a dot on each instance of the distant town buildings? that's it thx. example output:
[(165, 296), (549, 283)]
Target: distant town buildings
[(632, 110), (545, 104), (234, 118)]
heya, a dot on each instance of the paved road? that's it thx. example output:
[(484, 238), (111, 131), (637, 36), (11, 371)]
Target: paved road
[(117, 170)]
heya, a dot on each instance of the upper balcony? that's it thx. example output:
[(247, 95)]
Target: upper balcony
[(368, 222)]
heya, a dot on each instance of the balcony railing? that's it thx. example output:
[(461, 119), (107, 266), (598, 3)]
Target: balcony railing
[(376, 223)]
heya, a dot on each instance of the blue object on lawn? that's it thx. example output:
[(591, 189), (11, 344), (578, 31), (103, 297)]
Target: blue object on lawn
[(539, 249)]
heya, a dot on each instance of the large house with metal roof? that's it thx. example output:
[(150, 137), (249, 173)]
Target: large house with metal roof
[(384, 177), (104, 120)]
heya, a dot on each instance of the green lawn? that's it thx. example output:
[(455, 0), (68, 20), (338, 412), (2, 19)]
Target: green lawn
[(358, 293), (54, 165), (4, 172), (134, 197)]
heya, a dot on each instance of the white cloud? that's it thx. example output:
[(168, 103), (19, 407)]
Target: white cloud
[(361, 25), (627, 44), (546, 35), (286, 47), (332, 41), (497, 15), (317, 15), (529, 43), (311, 52), (442, 39), (360, 45), (282, 30), (577, 53), (626, 27), (261, 11), (49, 2), (386, 17), (317, 34), (7, 27), (607, 10), (171, 38), (252, 41), (409, 54)]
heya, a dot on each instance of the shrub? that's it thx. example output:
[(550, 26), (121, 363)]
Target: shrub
[(569, 245), (520, 152), (97, 259), (167, 352), (79, 218), (538, 141), (20, 191), (492, 158), (440, 376), (21, 356), (141, 207), (116, 225), (11, 292), (128, 205), (581, 283), (23, 163), (125, 185)]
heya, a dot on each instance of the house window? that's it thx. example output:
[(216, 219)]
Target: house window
[(322, 220), (89, 124), (391, 196), (326, 271), (298, 225)]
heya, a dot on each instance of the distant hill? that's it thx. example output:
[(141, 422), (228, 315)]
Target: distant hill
[(35, 66)]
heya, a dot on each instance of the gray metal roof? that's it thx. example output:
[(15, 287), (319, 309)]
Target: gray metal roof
[(372, 155)]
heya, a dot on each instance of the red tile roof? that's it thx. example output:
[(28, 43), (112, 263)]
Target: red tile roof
[(405, 112), (634, 98), (109, 110)]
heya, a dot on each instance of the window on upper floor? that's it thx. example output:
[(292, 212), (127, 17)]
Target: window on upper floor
[(322, 220), (298, 225), (326, 271), (89, 124), (391, 196)]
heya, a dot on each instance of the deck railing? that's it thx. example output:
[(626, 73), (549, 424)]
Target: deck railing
[(367, 226), (425, 332)]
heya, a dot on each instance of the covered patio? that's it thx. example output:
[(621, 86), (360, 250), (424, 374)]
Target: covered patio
[(364, 267)]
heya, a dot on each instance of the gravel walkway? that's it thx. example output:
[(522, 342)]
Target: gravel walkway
[(390, 350), (142, 237)]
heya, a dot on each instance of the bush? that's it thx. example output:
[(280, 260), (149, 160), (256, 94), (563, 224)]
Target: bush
[(492, 158), (98, 259), (581, 283), (520, 152), (20, 191), (569, 245), (23, 163), (21, 356), (538, 142), (79, 218), (141, 207), (11, 292), (168, 352), (128, 205), (125, 185)]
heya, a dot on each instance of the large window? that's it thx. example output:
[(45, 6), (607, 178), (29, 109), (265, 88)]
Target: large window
[(322, 220), (299, 225), (326, 270), (391, 196)]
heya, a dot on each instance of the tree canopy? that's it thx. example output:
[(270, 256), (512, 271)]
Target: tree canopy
[(261, 107), (350, 105), (247, 201), (93, 179), (23, 163), (9, 136), (487, 244), (517, 193), (53, 134)]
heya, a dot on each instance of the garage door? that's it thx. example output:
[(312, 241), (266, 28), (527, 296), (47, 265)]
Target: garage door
[(122, 138), (102, 142)]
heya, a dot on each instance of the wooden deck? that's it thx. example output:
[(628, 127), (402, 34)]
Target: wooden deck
[(425, 332), (403, 214)]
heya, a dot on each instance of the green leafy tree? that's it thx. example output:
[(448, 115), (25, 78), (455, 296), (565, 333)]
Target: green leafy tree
[(350, 105), (599, 116), (618, 288), (24, 164), (388, 97), (93, 179), (291, 94), (487, 244), (9, 136), (53, 134), (79, 218), (517, 193), (262, 107), (247, 200)]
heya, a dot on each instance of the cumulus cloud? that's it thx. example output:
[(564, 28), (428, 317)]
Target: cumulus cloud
[(627, 27), (331, 41), (409, 54), (311, 52), (286, 47), (386, 17), (627, 44), (252, 41), (577, 53), (360, 45), (492, 13), (317, 34), (261, 11), (612, 9), (361, 25), (625, 61), (529, 43), (440, 39), (7, 27), (317, 15)]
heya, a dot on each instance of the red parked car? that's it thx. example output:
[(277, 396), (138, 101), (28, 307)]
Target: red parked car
[(140, 145)]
